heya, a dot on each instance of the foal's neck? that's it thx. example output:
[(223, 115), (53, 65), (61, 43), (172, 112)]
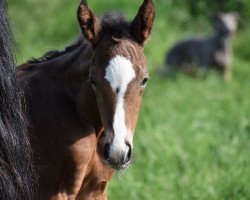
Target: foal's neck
[(73, 70), (77, 63)]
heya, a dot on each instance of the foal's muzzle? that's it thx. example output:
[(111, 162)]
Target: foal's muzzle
[(117, 158)]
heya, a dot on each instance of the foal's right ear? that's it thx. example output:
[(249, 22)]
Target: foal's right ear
[(89, 23)]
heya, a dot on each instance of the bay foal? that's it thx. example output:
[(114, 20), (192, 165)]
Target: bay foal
[(84, 104)]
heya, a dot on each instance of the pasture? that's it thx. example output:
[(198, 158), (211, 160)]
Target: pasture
[(193, 135)]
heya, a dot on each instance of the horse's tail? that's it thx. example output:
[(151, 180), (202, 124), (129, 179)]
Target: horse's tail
[(17, 180)]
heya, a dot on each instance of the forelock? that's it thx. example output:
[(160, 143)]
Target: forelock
[(115, 23)]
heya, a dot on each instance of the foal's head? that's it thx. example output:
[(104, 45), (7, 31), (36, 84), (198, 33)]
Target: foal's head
[(118, 74)]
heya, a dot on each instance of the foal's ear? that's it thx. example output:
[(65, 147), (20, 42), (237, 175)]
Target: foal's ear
[(89, 23), (142, 24)]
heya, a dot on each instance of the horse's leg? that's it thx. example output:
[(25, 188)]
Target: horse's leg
[(60, 196), (202, 71), (96, 192), (227, 73), (60, 186), (104, 196), (74, 168), (98, 175)]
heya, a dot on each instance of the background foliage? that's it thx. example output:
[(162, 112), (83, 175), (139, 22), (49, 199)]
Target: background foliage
[(193, 136)]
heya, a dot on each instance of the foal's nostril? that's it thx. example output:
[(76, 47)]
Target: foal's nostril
[(106, 152), (129, 153)]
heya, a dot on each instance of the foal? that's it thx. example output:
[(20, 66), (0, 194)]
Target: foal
[(84, 103)]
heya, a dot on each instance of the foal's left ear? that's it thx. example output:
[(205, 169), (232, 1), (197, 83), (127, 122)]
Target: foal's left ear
[(142, 24), (89, 23)]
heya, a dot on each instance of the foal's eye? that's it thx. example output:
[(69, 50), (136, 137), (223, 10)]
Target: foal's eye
[(144, 82)]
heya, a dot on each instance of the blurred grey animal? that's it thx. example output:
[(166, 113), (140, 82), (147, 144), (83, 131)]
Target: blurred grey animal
[(204, 53)]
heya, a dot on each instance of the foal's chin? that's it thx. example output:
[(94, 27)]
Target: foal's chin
[(117, 166)]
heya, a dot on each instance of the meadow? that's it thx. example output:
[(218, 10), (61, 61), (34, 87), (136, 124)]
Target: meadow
[(193, 135)]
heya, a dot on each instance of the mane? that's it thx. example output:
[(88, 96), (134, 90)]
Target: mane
[(115, 23), (16, 172), (50, 55)]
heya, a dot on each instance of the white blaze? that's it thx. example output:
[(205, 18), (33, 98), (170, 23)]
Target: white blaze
[(119, 73)]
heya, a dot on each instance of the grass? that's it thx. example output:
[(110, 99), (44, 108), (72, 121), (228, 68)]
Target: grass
[(193, 136)]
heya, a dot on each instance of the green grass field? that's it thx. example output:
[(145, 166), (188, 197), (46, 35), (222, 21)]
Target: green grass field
[(193, 136)]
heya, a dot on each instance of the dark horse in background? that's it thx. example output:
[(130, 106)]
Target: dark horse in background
[(84, 102), (204, 53), (17, 180)]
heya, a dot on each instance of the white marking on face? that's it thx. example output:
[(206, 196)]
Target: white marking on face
[(119, 73)]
